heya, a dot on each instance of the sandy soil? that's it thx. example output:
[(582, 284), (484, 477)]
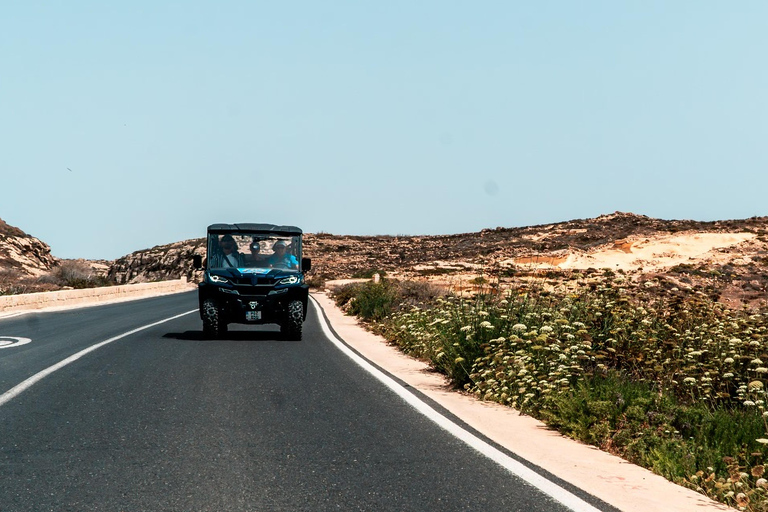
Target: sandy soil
[(647, 253)]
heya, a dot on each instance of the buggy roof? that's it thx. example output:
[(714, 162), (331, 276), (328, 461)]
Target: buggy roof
[(271, 229)]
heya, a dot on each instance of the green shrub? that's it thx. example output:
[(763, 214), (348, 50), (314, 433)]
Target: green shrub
[(75, 274), (374, 301), (343, 294)]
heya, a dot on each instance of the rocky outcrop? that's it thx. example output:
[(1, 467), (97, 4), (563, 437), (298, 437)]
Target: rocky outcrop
[(162, 262), (23, 255)]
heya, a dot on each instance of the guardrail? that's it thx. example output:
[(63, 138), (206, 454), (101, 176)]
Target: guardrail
[(27, 301)]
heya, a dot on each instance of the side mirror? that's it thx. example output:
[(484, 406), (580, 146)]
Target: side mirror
[(306, 264), (197, 261)]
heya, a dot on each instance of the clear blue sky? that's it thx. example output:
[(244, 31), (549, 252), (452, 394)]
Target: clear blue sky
[(125, 125)]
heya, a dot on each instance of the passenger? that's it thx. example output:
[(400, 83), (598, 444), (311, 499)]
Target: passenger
[(256, 258), (281, 258), (229, 256)]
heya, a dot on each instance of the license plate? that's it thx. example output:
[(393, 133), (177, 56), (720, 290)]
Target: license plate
[(253, 315)]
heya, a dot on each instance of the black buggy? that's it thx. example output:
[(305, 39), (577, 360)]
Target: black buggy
[(254, 274)]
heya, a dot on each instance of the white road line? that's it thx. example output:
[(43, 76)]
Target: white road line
[(548, 487), (31, 381)]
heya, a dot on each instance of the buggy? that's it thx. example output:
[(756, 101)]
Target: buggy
[(253, 274)]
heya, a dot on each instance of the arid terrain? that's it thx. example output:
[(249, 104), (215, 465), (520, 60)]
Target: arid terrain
[(725, 260)]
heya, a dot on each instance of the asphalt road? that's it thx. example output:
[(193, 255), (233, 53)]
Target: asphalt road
[(163, 420)]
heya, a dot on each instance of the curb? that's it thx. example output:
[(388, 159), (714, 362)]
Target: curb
[(12, 304)]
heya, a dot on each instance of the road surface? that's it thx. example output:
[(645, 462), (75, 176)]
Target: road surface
[(125, 407)]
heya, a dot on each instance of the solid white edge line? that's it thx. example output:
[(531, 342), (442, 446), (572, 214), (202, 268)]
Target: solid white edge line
[(546, 486), (31, 381)]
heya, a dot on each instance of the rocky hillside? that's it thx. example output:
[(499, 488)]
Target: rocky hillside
[(22, 255), (505, 254), (726, 260)]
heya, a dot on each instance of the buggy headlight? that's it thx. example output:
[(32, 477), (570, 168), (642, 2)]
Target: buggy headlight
[(290, 280), (217, 279)]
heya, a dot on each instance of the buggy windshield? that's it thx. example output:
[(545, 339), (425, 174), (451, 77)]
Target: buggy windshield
[(254, 250)]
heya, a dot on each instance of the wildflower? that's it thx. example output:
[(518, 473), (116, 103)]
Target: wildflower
[(485, 324), (749, 403), (755, 385), (762, 482), (689, 380), (728, 360), (519, 327), (466, 328), (546, 328)]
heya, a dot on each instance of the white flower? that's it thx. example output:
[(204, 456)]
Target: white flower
[(519, 327), (546, 328)]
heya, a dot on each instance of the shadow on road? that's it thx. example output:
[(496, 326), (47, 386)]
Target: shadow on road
[(229, 336)]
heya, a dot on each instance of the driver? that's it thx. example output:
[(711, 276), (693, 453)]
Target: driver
[(282, 258)]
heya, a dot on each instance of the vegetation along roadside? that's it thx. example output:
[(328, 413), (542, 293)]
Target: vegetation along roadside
[(674, 384)]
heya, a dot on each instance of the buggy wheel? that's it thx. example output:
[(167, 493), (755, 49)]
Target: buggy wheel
[(291, 326), (213, 326)]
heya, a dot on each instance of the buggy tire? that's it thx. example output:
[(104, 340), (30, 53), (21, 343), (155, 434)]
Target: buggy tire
[(291, 326), (213, 326)]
